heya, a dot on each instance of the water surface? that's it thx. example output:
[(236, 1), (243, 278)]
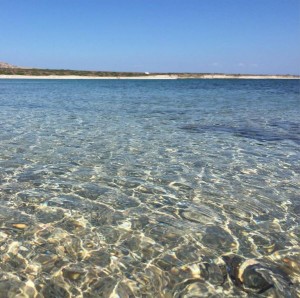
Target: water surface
[(115, 188)]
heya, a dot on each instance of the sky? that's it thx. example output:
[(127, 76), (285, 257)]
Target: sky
[(219, 36)]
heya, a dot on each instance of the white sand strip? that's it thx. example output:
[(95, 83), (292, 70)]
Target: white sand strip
[(157, 77)]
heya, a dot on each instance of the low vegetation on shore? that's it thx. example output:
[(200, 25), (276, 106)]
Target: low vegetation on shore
[(65, 72)]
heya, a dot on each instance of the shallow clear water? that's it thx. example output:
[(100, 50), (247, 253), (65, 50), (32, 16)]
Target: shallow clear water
[(116, 188)]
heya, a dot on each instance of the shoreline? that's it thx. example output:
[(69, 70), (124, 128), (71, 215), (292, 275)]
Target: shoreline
[(151, 77), (70, 77)]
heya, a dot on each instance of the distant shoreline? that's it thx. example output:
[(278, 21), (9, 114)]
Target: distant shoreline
[(150, 77), (8, 71)]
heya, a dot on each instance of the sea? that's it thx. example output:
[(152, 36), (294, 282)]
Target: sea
[(149, 188)]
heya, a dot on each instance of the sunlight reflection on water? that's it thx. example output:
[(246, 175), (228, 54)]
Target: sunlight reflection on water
[(149, 188)]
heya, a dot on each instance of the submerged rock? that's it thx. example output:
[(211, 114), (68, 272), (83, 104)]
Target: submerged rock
[(52, 289), (218, 239), (11, 287), (245, 273), (255, 276), (215, 274), (72, 274)]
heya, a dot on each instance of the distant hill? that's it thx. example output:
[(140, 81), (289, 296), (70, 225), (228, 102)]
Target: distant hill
[(7, 65)]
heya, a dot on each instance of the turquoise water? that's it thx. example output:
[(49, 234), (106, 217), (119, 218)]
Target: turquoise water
[(163, 188)]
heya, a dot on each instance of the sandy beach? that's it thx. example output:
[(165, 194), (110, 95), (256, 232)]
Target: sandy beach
[(156, 77), (150, 77)]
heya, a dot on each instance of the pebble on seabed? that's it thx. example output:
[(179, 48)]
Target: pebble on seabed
[(20, 226)]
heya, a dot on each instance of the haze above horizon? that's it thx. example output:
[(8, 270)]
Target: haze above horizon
[(255, 37)]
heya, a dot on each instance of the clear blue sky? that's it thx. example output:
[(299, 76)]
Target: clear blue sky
[(232, 36)]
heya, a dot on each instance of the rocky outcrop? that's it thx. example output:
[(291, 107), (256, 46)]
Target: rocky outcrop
[(6, 65)]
